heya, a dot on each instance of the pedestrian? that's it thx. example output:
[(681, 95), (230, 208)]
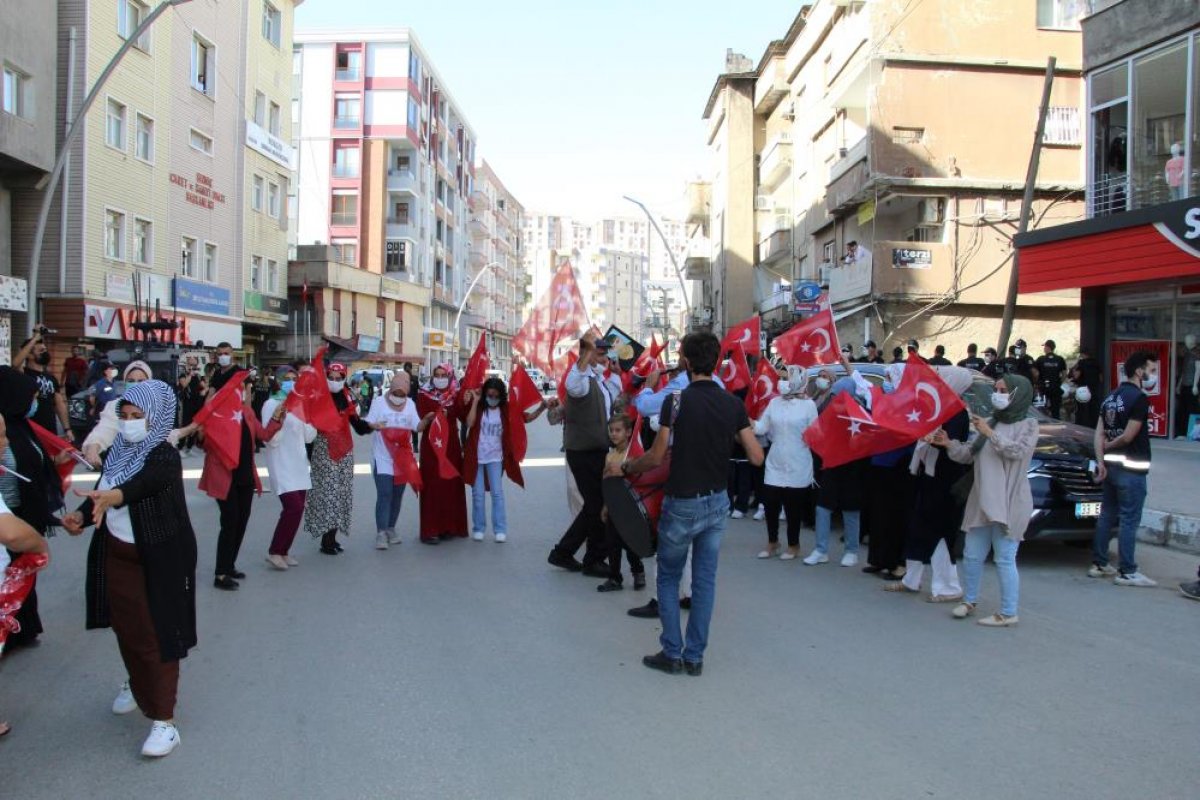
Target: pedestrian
[(414, 388), (393, 410), (108, 425), (1191, 590), (1000, 503), (1050, 368), (973, 361), (141, 564), (1122, 444), (366, 394), (1088, 379), (697, 425), (912, 348), (556, 415), (223, 370), (872, 355), (886, 510), (1019, 361), (897, 356), (51, 409), (328, 506), (840, 488), (992, 367), (287, 467), (74, 374), (191, 399), (620, 434), (443, 500), (939, 357), (788, 475)]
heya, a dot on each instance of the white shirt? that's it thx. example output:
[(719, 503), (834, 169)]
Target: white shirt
[(579, 380), (285, 456), (405, 418), (119, 523), (789, 462), (491, 449), (4, 559)]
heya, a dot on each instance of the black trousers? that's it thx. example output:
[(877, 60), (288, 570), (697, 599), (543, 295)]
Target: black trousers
[(792, 500), (616, 546), (235, 516), (1054, 397), (587, 467), (741, 482), (889, 503)]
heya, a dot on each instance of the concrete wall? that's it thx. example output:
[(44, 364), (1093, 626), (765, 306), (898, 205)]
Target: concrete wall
[(29, 42), (1133, 25)]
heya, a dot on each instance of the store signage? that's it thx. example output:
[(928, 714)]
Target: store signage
[(368, 344), (118, 286), (266, 305), (437, 339), (13, 294), (198, 190), (807, 292), (203, 297), (116, 322), (263, 141), (1182, 228), (1159, 397), (911, 258)]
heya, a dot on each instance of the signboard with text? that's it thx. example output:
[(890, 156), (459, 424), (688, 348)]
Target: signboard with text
[(911, 258), (263, 141), (1159, 396), (258, 304), (198, 190), (202, 297)]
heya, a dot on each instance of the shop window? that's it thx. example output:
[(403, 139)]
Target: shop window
[(1159, 133)]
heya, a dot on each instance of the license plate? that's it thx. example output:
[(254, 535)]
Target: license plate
[(1085, 510)]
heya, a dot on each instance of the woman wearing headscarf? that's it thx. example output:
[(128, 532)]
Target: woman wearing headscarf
[(443, 500), (35, 501), (936, 513), (287, 467), (107, 426), (788, 478), (328, 505), (141, 572), (1000, 503), (392, 411)]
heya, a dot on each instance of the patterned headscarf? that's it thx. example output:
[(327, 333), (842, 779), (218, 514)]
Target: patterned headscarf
[(157, 402), (445, 397)]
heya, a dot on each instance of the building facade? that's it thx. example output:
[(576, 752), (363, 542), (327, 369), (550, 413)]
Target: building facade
[(495, 306)]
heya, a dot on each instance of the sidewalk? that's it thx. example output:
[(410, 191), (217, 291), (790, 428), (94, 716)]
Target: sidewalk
[(1172, 515)]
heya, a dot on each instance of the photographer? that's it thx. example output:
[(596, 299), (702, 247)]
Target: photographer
[(51, 402)]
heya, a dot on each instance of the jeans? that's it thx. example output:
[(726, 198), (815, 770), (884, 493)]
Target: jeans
[(1124, 496), (694, 523), (850, 521), (289, 521), (388, 496), (1004, 552), (494, 473)]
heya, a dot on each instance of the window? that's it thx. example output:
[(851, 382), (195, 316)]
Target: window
[(1062, 126), (380, 322), (257, 192), (402, 162), (201, 142), (349, 65), (1062, 15), (260, 109), (398, 330), (347, 111), (114, 129), (902, 135), (131, 14), (395, 256), (187, 261), (335, 321), (347, 251), (274, 119), (273, 199), (256, 273), (272, 24), (272, 276), (204, 57), (346, 162), (143, 240), (210, 262), (344, 209), (1158, 131), (143, 146), (114, 235), (414, 114), (400, 214), (17, 96)]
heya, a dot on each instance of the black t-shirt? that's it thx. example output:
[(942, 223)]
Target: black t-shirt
[(220, 377), (704, 419), (1019, 365), (973, 362), (993, 370), (1126, 404), (1050, 370), (47, 389), (243, 474)]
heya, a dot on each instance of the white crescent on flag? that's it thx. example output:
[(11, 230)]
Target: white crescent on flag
[(745, 336), (762, 387), (937, 400), (824, 334), (728, 370)]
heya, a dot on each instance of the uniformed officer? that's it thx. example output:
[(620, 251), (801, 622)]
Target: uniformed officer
[(1050, 370)]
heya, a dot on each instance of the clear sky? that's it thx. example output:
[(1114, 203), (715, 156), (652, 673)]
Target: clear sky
[(576, 103)]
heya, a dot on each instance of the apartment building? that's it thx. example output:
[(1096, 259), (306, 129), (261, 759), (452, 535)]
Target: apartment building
[(386, 168), (496, 269), (905, 129)]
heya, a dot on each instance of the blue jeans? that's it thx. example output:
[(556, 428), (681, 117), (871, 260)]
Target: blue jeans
[(495, 481), (850, 525), (1124, 496), (696, 523), (388, 496), (1004, 552)]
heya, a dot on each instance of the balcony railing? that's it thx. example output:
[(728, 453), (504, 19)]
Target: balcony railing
[(347, 122), (776, 161), (349, 74), (1108, 194), (343, 219), (401, 181), (775, 247)]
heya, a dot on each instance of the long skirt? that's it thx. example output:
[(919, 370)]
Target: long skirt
[(330, 501), (443, 500)]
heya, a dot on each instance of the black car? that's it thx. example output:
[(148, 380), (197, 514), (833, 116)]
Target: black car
[(79, 411), (1066, 499)]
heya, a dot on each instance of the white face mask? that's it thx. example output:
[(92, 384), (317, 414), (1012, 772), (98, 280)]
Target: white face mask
[(441, 383), (224, 360), (134, 430), (822, 383), (1000, 401), (785, 387), (335, 386), (110, 374), (1149, 381)]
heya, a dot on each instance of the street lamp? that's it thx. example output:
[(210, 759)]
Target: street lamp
[(496, 265), (667, 245), (50, 182)]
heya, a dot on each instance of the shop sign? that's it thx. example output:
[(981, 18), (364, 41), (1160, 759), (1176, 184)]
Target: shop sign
[(866, 212), (202, 297), (118, 286), (13, 294), (437, 339), (368, 344), (198, 190), (911, 258), (1159, 397), (263, 141), (258, 304), (1182, 227), (807, 292), (116, 322)]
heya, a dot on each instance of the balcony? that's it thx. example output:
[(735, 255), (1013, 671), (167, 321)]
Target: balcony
[(699, 197), (352, 75), (775, 247), (771, 86), (697, 267), (401, 228), (850, 188), (347, 123), (778, 299), (402, 181), (849, 157), (776, 161)]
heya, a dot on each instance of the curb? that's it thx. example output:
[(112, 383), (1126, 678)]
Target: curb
[(1177, 531)]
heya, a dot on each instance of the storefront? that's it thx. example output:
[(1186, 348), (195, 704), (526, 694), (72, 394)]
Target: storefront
[(1139, 276)]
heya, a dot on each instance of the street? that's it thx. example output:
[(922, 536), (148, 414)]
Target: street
[(477, 670)]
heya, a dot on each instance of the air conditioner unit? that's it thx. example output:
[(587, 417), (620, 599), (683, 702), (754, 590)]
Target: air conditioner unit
[(763, 202), (274, 346), (931, 211)]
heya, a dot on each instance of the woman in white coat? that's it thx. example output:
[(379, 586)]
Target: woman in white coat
[(789, 466), (287, 468)]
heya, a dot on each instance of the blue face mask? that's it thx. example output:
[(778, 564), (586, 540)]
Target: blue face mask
[(33, 407), (287, 386), (492, 401)]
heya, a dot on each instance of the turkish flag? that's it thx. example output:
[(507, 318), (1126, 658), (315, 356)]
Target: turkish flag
[(477, 366), (746, 333), (811, 342), (764, 387), (439, 433), (16, 582), (845, 432), (921, 403), (562, 378), (735, 372), (312, 402), (221, 418), (558, 315), (404, 465), (523, 393), (54, 445)]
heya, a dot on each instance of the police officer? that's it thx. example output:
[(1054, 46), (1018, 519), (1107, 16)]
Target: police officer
[(1018, 361), (871, 356), (992, 367), (1050, 369), (973, 361), (939, 357)]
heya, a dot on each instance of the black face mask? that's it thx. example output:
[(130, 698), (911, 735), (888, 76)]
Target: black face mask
[(42, 358)]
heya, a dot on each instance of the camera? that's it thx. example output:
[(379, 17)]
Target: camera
[(42, 330)]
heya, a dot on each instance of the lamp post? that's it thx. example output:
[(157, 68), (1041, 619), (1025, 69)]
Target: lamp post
[(50, 182), (470, 288), (674, 262)]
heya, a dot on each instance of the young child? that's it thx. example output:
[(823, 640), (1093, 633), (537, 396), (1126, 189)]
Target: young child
[(620, 434)]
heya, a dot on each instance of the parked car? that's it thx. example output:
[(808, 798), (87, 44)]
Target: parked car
[(379, 378), (542, 380), (1066, 499)]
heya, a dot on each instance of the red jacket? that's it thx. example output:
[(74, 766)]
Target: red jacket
[(215, 478)]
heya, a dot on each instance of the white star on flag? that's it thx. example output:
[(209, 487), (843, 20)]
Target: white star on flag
[(237, 417), (855, 426), (806, 347), (914, 416), (437, 442)]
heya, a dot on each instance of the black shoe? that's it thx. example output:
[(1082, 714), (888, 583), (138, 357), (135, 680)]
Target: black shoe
[(639, 580), (563, 561), (225, 582), (233, 573), (659, 661), (685, 603), (693, 668), (597, 569), (330, 551), (648, 611), (1191, 590), (431, 541), (337, 546), (871, 569), (610, 586), (445, 537)]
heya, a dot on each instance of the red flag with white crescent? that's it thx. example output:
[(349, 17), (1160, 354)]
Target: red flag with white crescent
[(845, 432), (523, 394), (921, 403), (54, 445), (811, 342), (764, 387), (735, 372), (221, 418), (439, 433), (16, 582), (746, 333), (477, 366), (559, 314), (404, 464)]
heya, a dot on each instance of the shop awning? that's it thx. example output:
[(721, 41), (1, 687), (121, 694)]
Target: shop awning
[(349, 349)]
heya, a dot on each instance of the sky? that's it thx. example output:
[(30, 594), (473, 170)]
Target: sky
[(575, 104)]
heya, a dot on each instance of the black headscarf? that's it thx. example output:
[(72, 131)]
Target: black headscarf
[(42, 496)]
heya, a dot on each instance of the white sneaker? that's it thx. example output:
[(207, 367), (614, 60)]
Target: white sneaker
[(1097, 571), (850, 560), (760, 513), (393, 537), (477, 536), (124, 702), (735, 514), (787, 555), (816, 557), (277, 562), (381, 542), (163, 738), (291, 562), (1134, 579), (782, 514), (501, 537)]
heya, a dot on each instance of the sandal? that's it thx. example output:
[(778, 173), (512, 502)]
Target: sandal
[(963, 610), (943, 598), (898, 586), (770, 552)]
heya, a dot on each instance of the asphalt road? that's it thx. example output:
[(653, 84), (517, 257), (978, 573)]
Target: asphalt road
[(475, 670)]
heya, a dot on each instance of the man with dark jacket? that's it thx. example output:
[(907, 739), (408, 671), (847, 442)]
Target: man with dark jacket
[(973, 361), (1051, 367)]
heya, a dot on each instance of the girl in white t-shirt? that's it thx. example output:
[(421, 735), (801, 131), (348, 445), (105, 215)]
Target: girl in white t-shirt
[(392, 462)]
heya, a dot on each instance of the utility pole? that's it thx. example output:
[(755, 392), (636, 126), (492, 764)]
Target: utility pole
[(1010, 301)]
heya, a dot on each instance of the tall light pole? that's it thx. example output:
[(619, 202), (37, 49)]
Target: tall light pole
[(50, 182), (470, 288), (674, 262)]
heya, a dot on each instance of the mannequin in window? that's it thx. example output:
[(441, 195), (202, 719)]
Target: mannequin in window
[(1174, 171), (1187, 388)]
